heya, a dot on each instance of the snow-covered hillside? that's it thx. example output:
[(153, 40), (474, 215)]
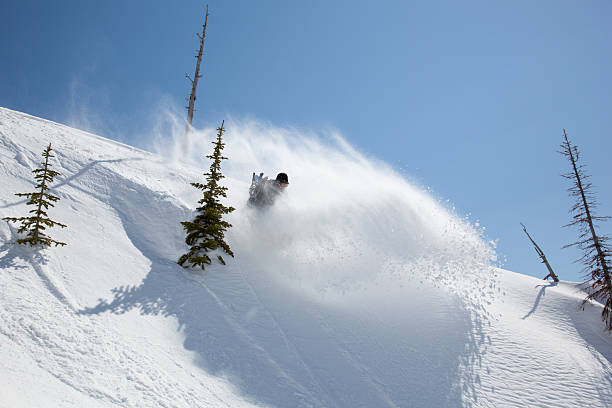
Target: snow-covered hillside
[(356, 290)]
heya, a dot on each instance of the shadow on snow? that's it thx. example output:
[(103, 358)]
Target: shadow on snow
[(265, 347)]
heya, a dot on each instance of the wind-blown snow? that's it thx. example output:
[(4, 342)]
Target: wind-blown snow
[(356, 290)]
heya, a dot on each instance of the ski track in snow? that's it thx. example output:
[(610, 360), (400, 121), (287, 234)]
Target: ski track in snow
[(114, 321)]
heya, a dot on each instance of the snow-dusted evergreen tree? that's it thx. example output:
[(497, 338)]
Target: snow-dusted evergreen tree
[(206, 232), (596, 256), (35, 224)]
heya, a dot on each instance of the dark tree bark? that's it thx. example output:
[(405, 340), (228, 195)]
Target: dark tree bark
[(551, 273), (197, 76), (594, 246)]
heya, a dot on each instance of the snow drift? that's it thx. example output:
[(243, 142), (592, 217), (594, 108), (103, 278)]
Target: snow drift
[(356, 289)]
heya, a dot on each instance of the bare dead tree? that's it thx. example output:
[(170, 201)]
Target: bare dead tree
[(197, 76), (594, 246), (551, 273)]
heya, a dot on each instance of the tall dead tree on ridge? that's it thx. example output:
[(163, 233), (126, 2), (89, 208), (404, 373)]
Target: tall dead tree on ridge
[(197, 76), (551, 273), (596, 252)]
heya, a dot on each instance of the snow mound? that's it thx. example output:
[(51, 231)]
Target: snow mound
[(356, 289)]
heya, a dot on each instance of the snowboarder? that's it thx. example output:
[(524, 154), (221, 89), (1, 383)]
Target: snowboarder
[(263, 192)]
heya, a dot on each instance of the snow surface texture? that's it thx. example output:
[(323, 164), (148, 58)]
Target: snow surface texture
[(355, 290)]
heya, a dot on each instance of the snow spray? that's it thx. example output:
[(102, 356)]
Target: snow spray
[(345, 221)]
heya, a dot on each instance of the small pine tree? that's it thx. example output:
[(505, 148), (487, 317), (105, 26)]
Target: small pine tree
[(206, 232), (596, 256), (41, 200)]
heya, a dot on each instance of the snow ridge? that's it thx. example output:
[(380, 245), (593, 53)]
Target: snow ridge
[(356, 289)]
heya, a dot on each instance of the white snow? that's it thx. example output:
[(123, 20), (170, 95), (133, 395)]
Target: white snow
[(356, 290)]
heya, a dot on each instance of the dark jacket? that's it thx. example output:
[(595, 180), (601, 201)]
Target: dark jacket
[(264, 193)]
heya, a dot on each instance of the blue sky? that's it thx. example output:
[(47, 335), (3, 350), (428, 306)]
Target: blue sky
[(467, 98)]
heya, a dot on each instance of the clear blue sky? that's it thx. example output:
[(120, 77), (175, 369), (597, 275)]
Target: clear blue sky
[(468, 98)]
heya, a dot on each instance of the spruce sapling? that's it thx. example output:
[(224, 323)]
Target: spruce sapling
[(206, 232), (36, 224)]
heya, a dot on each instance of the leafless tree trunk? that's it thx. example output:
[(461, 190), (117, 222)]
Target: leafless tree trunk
[(596, 251), (197, 76), (551, 274)]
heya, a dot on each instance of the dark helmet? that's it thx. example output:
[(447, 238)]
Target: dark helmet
[(282, 178)]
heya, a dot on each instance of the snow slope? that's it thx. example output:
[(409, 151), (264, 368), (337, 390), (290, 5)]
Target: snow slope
[(356, 290)]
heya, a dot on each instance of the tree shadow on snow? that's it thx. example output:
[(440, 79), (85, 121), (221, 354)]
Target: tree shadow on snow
[(541, 294), (592, 330), (215, 330), (589, 325), (13, 252), (22, 257), (264, 352), (68, 180)]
